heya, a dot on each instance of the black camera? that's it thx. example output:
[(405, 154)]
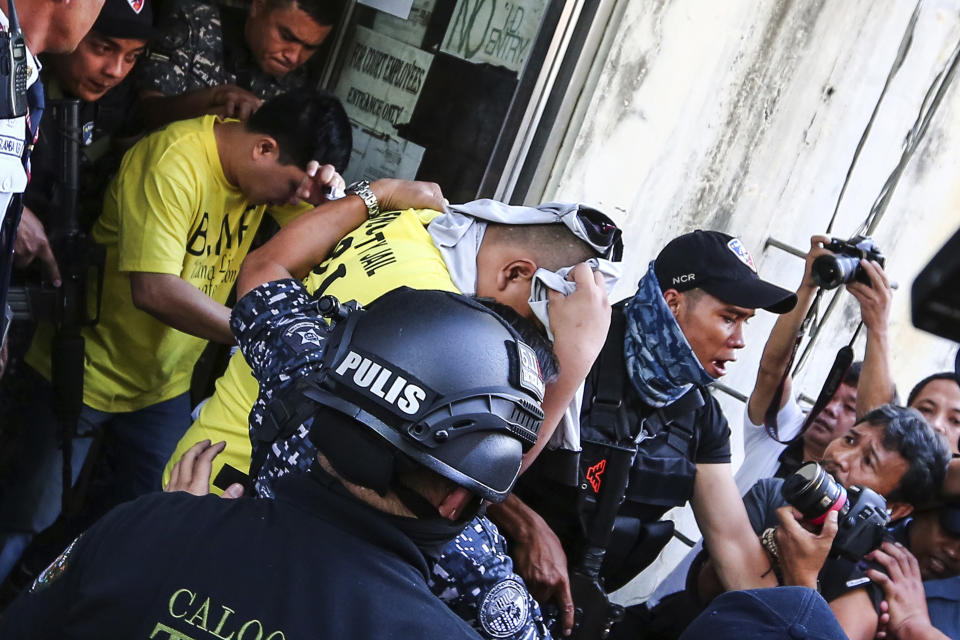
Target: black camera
[(843, 266), (862, 516)]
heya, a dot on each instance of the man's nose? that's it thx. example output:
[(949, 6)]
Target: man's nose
[(291, 53), (939, 424), (113, 68), (736, 340), (832, 409), (842, 461)]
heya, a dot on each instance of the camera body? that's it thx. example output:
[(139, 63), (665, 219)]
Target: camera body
[(843, 266), (862, 516)]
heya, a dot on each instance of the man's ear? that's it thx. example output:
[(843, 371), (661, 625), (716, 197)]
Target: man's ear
[(899, 510), (514, 272), (454, 502), (265, 148), (674, 300)]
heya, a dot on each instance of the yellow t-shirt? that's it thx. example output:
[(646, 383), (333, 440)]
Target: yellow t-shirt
[(387, 252), (169, 210)]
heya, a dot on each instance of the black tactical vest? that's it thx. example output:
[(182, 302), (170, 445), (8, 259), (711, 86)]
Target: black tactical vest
[(662, 444)]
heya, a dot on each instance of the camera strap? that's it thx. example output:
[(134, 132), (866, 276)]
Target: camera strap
[(773, 409)]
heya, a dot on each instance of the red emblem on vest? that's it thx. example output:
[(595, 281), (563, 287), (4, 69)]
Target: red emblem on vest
[(136, 5), (594, 473)]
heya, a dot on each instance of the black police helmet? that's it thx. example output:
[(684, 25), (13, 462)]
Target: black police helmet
[(437, 377)]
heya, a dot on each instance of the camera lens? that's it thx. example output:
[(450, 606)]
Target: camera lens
[(815, 493), (831, 271)]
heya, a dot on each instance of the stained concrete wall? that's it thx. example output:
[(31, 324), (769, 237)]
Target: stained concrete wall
[(744, 116)]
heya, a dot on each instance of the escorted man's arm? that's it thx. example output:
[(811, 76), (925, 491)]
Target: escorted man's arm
[(305, 242), (739, 559), (181, 305)]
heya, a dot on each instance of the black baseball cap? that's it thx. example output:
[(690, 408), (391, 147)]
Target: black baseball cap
[(126, 19), (720, 265)]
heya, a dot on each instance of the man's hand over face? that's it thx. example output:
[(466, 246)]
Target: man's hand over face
[(322, 183), (580, 321)]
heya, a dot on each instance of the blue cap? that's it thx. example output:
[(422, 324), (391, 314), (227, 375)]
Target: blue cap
[(778, 612)]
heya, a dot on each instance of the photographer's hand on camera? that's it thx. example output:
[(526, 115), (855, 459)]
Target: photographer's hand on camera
[(802, 553), (876, 385), (31, 243), (817, 249)]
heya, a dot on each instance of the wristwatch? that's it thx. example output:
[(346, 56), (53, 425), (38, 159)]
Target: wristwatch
[(362, 188)]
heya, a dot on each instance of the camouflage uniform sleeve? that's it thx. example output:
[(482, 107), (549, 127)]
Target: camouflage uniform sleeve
[(279, 331), (474, 576), (187, 37), (282, 337)]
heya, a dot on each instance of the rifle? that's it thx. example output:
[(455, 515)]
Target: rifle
[(66, 307), (595, 615)]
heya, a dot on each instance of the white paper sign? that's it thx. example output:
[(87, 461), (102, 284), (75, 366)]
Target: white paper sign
[(500, 33), (410, 30), (379, 156), (399, 8), (381, 80)]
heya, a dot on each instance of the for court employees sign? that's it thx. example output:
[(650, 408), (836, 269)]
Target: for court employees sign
[(497, 32), (381, 80)]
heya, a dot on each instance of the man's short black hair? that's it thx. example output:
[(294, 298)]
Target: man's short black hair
[(323, 12), (308, 124), (917, 388), (546, 358), (906, 432)]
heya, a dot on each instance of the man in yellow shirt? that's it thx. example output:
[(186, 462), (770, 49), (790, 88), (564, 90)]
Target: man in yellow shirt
[(397, 248), (177, 221)]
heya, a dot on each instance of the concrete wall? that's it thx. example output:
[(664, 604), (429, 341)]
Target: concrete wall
[(744, 116)]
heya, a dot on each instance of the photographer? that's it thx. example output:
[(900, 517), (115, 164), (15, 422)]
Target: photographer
[(892, 451), (865, 386)]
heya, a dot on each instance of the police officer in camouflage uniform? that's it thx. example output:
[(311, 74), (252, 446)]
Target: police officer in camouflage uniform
[(405, 457), (209, 58)]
